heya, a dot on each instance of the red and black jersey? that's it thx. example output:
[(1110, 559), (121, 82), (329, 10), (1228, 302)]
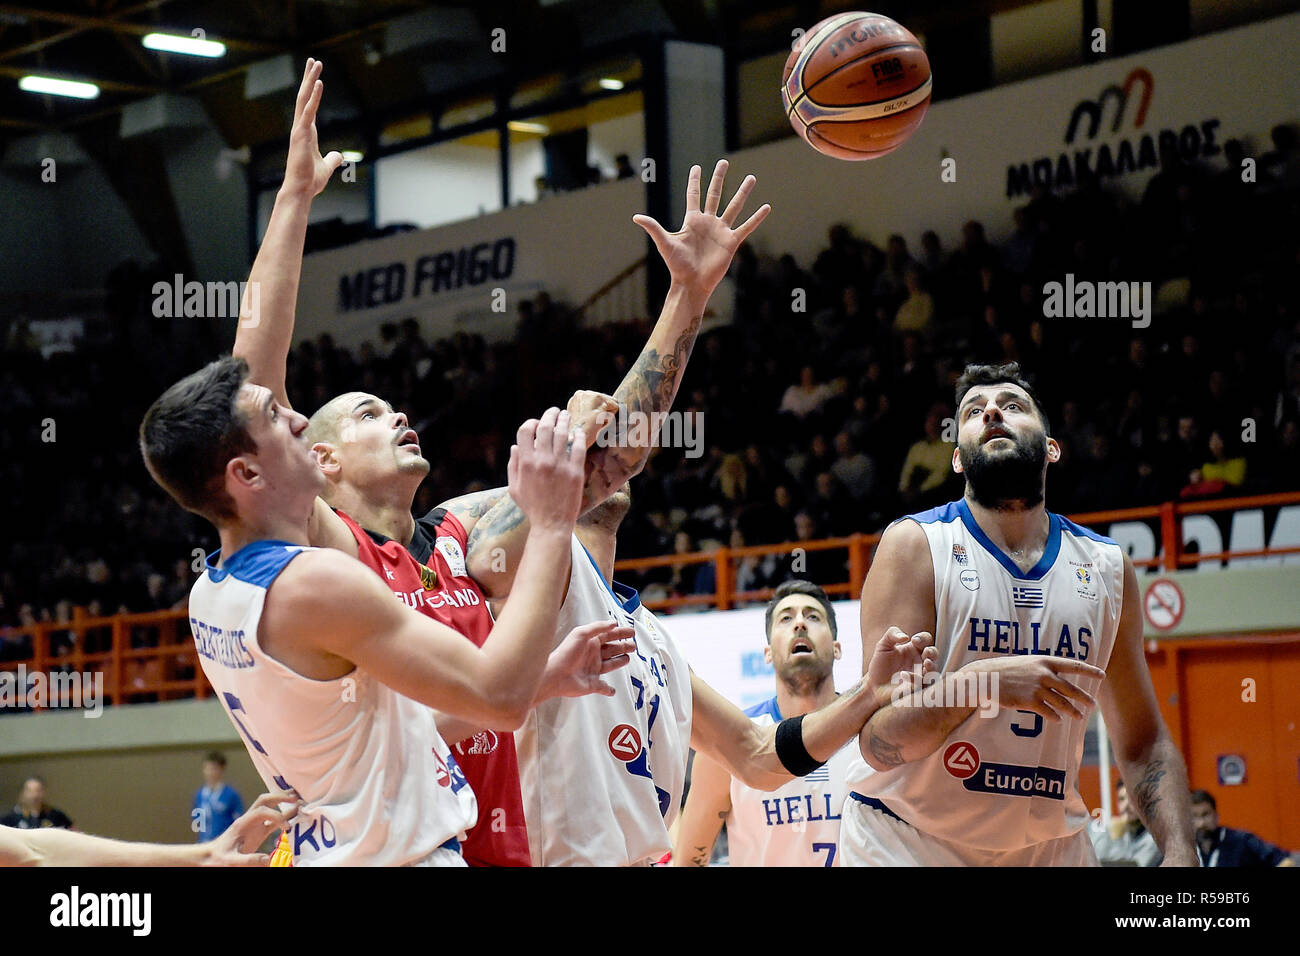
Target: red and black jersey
[(431, 577)]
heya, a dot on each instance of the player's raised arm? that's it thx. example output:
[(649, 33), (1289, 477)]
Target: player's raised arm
[(1150, 764), (266, 315), (765, 758), (707, 805), (697, 257)]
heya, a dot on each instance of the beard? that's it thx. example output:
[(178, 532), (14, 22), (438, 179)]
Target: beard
[(997, 480), (805, 674)]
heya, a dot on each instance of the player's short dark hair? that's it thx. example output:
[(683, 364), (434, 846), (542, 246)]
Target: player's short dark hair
[(1204, 796), (192, 431), (799, 586), (216, 757), (976, 375)]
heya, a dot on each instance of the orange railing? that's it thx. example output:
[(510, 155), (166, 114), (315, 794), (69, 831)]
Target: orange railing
[(142, 656), (860, 546), (151, 656)]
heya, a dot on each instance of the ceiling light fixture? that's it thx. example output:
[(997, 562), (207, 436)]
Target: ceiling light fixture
[(519, 126), (50, 84), (191, 46)]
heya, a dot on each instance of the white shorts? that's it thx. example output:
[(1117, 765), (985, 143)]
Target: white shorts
[(446, 855), (870, 837)]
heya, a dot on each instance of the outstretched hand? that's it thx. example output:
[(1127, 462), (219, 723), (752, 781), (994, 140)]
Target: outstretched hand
[(307, 169), (898, 657), (576, 665), (700, 252), (239, 845)]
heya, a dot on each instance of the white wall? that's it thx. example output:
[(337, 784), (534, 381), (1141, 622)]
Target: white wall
[(569, 244), (437, 184)]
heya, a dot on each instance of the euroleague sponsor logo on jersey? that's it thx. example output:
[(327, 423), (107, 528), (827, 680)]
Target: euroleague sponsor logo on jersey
[(959, 554), (625, 743), (962, 761)]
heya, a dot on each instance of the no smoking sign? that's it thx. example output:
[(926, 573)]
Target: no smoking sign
[(1163, 604)]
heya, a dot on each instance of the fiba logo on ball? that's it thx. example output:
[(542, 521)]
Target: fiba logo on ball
[(856, 86)]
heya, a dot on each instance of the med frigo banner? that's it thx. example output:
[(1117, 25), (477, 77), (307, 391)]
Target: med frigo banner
[(979, 156), (471, 276)]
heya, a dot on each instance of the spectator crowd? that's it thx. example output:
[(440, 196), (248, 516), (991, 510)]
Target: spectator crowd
[(825, 389)]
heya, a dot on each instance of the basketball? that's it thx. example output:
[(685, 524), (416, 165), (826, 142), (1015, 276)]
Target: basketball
[(856, 86)]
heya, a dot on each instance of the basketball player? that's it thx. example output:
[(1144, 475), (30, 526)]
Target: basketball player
[(331, 682), (798, 824), (603, 777), (236, 846), (373, 460), (1013, 592)]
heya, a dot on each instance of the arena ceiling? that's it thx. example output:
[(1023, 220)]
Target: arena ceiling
[(383, 57)]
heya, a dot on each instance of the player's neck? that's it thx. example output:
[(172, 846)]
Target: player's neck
[(1016, 530), (601, 545), (239, 534), (390, 517), (792, 702)]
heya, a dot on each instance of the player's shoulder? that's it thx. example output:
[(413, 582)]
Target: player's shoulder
[(764, 709), (1079, 531), (259, 563), (906, 540), (321, 577), (940, 514)]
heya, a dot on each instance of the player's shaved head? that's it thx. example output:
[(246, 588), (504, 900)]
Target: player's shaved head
[(325, 424)]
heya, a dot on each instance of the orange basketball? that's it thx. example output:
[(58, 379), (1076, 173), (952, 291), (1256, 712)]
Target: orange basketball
[(856, 86)]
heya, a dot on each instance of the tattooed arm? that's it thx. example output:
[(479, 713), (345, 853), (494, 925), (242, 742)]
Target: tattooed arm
[(1152, 768), (468, 509), (708, 804), (899, 590), (722, 731), (697, 256)]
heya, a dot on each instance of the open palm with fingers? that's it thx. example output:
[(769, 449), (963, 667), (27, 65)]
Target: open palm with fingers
[(700, 252)]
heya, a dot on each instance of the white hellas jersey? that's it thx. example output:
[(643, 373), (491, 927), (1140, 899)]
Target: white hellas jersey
[(797, 825), (1006, 781), (378, 784), (602, 777)]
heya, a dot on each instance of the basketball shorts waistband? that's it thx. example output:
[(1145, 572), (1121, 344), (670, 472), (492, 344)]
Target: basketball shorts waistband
[(876, 805)]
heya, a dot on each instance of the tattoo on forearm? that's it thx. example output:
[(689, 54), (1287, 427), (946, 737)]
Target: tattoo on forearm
[(886, 751), (701, 857), (503, 517), (476, 505), (1146, 793), (652, 382)]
